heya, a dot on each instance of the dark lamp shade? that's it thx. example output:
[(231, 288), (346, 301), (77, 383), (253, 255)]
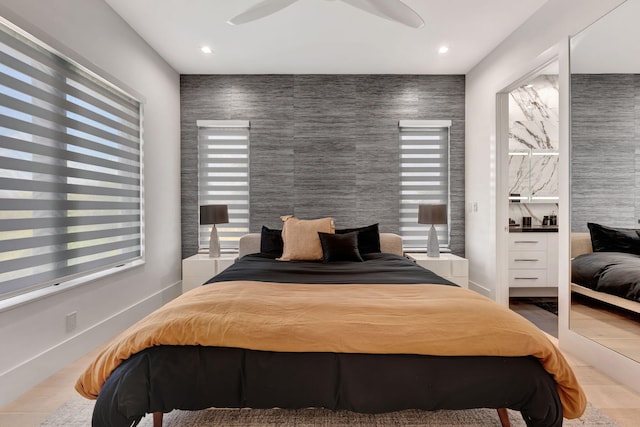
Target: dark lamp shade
[(432, 214), (214, 214)]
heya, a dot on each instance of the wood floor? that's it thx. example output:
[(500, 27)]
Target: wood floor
[(614, 328), (615, 400)]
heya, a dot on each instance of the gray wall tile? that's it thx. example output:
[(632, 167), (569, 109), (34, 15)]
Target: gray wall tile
[(322, 145)]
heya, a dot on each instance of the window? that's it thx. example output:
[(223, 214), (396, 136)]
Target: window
[(70, 169), (223, 177), (424, 177)]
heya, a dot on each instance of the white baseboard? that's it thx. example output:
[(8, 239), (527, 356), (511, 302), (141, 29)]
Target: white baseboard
[(31, 372), (482, 290)]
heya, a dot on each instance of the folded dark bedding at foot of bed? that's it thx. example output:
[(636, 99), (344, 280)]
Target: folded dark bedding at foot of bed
[(164, 378)]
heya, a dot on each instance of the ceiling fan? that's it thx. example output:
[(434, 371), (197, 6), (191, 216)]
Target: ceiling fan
[(393, 10)]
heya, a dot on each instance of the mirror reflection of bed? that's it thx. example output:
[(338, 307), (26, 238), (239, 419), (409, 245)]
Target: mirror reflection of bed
[(605, 179), (605, 165), (607, 312)]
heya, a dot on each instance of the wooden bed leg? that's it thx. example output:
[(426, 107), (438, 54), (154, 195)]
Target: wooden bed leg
[(157, 419), (502, 414)]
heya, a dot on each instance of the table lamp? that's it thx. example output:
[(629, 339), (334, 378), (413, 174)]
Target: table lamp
[(214, 214), (432, 214)]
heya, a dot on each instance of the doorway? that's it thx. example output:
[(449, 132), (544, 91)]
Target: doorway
[(528, 202)]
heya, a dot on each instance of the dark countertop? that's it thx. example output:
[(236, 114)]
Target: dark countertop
[(534, 229)]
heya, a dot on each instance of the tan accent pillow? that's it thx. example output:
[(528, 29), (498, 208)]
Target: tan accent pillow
[(300, 238)]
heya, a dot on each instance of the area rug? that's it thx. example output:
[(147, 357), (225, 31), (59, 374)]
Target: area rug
[(551, 307), (77, 413)]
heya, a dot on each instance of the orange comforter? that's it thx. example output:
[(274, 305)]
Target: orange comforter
[(384, 319)]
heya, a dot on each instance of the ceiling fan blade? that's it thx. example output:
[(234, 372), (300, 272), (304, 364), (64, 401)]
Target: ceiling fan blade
[(394, 10), (260, 10)]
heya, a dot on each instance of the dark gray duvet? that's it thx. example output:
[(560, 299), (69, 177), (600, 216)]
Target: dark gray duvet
[(614, 273)]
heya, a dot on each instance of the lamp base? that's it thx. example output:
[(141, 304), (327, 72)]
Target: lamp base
[(214, 243), (433, 247)]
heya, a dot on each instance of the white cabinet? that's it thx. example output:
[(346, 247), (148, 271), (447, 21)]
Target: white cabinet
[(449, 266), (533, 260), (199, 268)]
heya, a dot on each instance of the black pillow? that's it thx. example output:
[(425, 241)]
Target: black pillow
[(340, 247), (368, 238), (608, 239), (271, 241)]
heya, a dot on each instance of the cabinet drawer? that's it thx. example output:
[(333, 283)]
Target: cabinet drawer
[(527, 259), (527, 278), (527, 242)]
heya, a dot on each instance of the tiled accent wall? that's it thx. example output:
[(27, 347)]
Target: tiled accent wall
[(605, 150), (322, 145)]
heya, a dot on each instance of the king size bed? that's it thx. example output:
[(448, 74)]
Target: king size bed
[(373, 335)]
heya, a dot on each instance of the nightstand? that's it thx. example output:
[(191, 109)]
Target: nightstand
[(199, 268), (449, 266)]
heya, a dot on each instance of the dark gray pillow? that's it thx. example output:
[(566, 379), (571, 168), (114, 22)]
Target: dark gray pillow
[(340, 247), (271, 241), (368, 238), (609, 239)]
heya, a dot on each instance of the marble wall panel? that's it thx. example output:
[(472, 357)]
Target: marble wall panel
[(323, 144), (533, 128), (544, 176), (533, 115)]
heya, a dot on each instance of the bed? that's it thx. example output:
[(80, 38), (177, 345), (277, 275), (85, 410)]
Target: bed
[(378, 335), (610, 274)]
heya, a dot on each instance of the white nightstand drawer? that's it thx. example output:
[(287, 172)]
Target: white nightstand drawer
[(527, 277), (527, 242), (527, 259)]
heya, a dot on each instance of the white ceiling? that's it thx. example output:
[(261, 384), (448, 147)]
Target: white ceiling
[(611, 44), (323, 37)]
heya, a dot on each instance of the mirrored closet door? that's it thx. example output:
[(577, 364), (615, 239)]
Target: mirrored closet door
[(605, 181)]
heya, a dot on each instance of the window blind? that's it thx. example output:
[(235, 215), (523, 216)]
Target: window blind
[(223, 177), (424, 177), (70, 161)]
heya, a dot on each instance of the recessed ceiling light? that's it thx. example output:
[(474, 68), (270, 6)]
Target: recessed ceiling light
[(443, 50), (206, 49)]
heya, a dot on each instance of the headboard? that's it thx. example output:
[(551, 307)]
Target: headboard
[(580, 244), (389, 243)]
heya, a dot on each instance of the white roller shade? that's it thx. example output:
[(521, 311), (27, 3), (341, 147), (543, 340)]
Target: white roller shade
[(223, 177), (424, 177), (70, 169)]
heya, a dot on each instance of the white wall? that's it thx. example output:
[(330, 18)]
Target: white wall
[(33, 337), (515, 57), (542, 36)]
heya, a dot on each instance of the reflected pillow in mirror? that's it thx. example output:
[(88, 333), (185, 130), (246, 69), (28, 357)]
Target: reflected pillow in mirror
[(609, 239)]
